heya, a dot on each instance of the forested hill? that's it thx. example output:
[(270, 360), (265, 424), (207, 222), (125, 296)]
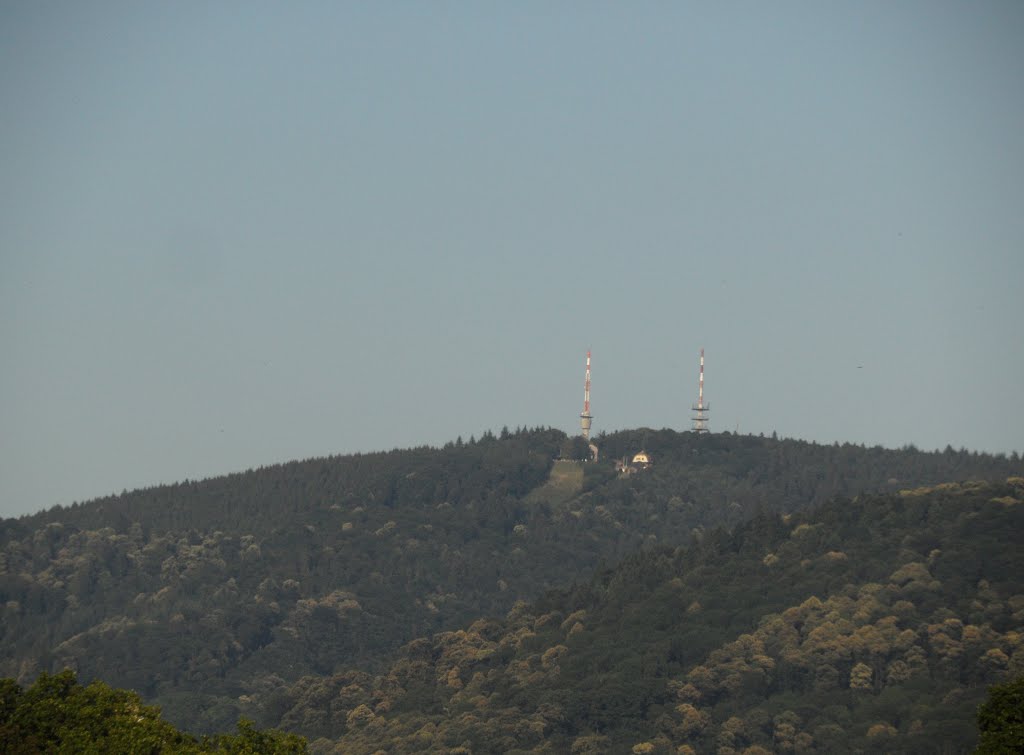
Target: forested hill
[(268, 498), (212, 598), (871, 625)]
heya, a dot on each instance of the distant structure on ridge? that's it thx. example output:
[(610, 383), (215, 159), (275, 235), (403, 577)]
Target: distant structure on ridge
[(585, 417), (700, 419)]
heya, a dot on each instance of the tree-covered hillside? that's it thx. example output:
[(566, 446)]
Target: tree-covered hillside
[(870, 625), (214, 598)]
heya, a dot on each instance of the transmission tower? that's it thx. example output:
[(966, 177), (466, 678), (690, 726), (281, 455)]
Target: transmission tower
[(700, 419), (585, 417)]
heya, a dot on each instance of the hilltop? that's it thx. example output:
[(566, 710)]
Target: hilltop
[(214, 599)]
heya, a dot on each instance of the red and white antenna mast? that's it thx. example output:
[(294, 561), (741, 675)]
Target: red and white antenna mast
[(585, 417), (700, 419)]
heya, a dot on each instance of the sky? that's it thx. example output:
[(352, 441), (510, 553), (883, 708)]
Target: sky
[(239, 233)]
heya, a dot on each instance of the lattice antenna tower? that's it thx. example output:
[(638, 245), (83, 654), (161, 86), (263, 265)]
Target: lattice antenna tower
[(585, 416), (700, 418)]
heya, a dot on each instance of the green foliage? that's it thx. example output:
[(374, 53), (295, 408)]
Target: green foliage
[(575, 448), (57, 714), (1001, 719), (249, 741)]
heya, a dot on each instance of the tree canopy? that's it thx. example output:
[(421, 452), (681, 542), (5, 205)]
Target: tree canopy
[(1001, 719), (57, 714)]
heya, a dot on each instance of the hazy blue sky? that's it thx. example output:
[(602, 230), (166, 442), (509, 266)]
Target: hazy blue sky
[(233, 234)]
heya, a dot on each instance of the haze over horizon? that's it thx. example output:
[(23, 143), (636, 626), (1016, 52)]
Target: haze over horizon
[(237, 235)]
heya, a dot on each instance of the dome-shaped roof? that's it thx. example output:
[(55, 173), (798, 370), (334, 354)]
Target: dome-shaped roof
[(641, 458)]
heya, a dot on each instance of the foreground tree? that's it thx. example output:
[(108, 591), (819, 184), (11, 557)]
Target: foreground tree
[(1001, 719), (57, 714)]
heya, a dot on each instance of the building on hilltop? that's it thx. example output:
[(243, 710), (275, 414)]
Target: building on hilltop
[(641, 460)]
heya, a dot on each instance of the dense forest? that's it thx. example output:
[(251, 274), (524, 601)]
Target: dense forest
[(283, 593), (873, 624)]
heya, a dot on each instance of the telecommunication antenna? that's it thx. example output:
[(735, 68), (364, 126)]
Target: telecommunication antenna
[(585, 417), (700, 419)]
